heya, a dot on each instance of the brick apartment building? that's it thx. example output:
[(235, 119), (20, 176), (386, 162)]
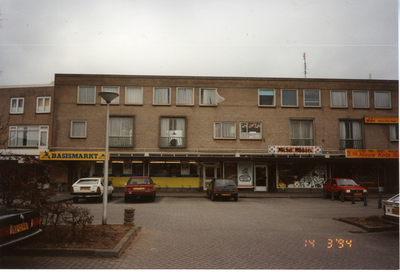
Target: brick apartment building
[(265, 133)]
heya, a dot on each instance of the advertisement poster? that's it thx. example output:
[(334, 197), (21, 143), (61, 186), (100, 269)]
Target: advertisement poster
[(245, 174)]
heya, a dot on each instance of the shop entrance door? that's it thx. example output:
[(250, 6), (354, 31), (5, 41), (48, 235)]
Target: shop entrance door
[(261, 178), (209, 172)]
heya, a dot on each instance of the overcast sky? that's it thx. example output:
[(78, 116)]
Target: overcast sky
[(249, 38)]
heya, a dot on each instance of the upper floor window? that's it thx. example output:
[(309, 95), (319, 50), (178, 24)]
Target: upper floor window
[(266, 98), (301, 132), (28, 136), (360, 99), (382, 100), (78, 129), (210, 97), (134, 95), (312, 98), (289, 98), (112, 90), (224, 130), (86, 94), (339, 99), (43, 105), (250, 130), (121, 132), (173, 132), (17, 106), (184, 96), (394, 132), (350, 134), (162, 96)]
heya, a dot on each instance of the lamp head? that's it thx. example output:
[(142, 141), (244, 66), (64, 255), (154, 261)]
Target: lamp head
[(108, 96)]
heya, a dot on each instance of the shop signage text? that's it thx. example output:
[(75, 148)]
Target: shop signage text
[(275, 149), (72, 156), (381, 120), (373, 154)]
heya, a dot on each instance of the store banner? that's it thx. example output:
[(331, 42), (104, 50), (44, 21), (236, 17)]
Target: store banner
[(245, 174), (290, 149), (372, 154), (381, 120), (72, 156)]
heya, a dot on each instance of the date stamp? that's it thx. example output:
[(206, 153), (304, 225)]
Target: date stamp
[(329, 243)]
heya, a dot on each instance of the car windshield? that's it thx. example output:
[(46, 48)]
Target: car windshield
[(138, 181), (224, 182), (88, 181), (395, 198), (346, 182)]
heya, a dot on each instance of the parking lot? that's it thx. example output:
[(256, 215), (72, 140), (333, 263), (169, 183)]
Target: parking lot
[(253, 233)]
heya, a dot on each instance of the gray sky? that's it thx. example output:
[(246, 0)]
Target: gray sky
[(248, 38)]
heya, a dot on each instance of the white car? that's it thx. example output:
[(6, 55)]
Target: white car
[(391, 209), (90, 188)]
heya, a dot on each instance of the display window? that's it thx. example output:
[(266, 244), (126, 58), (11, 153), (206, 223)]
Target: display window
[(301, 175)]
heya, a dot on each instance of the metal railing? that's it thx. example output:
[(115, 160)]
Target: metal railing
[(120, 141)]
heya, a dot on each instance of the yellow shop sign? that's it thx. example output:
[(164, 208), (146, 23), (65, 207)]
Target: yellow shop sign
[(372, 154), (72, 156)]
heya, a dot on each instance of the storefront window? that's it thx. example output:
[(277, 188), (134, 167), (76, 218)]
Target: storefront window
[(301, 175), (172, 168), (366, 173), (231, 171), (341, 171)]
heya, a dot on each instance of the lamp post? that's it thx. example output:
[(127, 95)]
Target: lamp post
[(108, 97)]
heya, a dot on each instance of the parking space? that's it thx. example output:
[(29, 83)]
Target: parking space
[(253, 233)]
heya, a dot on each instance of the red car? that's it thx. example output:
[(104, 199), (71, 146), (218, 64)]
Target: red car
[(348, 186), (140, 187)]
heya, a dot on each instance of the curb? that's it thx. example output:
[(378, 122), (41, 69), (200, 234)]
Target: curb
[(83, 252), (365, 227)]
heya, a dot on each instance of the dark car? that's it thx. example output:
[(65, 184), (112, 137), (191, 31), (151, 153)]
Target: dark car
[(140, 187), (17, 226), (391, 209), (347, 186), (222, 189)]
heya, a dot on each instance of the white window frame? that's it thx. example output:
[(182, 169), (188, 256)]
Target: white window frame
[(221, 132), (169, 96), (94, 95), (305, 101), (354, 100), (19, 110), (346, 99), (42, 109), (344, 137), (291, 136), (117, 138), (389, 97), (127, 88), (394, 132), (173, 132), (113, 89), (202, 94), (250, 135), (297, 98), (191, 103), (274, 98), (14, 130), (72, 129)]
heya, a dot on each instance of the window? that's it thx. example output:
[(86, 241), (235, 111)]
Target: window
[(360, 99), (250, 130), (162, 96), (28, 136), (173, 132), (382, 100), (78, 129), (289, 98), (224, 130), (210, 97), (112, 90), (43, 105), (184, 96), (312, 98), (301, 132), (350, 134), (134, 95), (17, 106), (86, 95), (266, 98), (339, 99), (394, 132), (120, 132)]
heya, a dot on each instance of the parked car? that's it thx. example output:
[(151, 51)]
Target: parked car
[(347, 186), (222, 189), (90, 188), (17, 226), (391, 209), (140, 187)]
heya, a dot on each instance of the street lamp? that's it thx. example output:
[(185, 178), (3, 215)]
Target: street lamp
[(108, 97)]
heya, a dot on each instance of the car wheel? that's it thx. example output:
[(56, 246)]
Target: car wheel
[(325, 194), (76, 199), (341, 196)]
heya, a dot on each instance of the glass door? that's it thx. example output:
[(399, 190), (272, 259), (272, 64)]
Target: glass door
[(209, 172), (261, 178)]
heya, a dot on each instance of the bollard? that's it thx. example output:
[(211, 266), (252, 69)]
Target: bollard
[(379, 200), (352, 198), (129, 216), (365, 199), (333, 196), (342, 196)]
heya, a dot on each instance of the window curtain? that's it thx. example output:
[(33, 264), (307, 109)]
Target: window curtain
[(224, 130), (289, 97), (382, 100), (360, 99), (210, 97), (266, 97), (338, 99), (78, 129), (350, 134), (311, 98), (86, 94), (185, 96), (301, 132), (172, 129), (394, 132), (28, 136), (161, 96), (133, 95), (120, 131)]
